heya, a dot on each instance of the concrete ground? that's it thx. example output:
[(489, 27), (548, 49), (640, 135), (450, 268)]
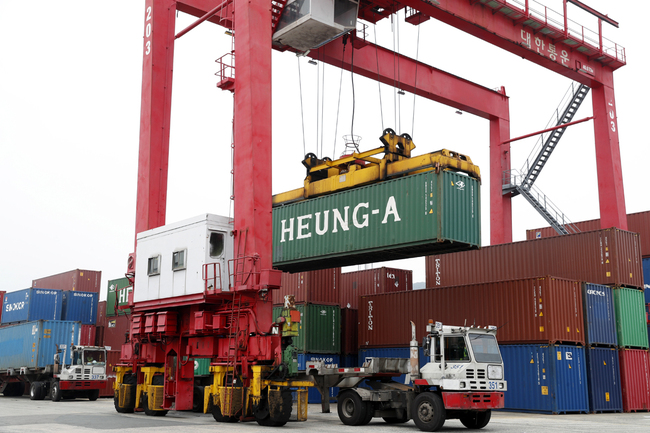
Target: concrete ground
[(21, 415)]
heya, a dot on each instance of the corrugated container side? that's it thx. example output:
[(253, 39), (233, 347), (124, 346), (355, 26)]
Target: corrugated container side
[(391, 352), (631, 325), (604, 376), (646, 279), (635, 379), (320, 328), (543, 310), (101, 313), (115, 332), (116, 295), (99, 336), (349, 331), (29, 305), (88, 335), (636, 222), (395, 219), (600, 318), (112, 358), (373, 282), (201, 366), (80, 307), (81, 280), (316, 287), (542, 378), (609, 257), (33, 344)]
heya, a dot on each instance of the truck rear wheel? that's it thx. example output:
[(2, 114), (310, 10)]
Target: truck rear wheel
[(476, 420), (352, 410), (36, 391), (428, 412)]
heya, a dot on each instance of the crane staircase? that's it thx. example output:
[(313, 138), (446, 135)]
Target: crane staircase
[(522, 181)]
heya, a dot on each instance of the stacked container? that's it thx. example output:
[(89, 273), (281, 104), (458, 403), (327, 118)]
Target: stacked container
[(603, 371), (372, 282), (632, 334), (545, 378), (314, 287), (77, 280), (32, 304), (636, 222), (2, 297), (541, 316), (117, 296), (609, 257)]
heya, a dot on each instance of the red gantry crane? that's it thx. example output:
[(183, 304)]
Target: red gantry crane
[(155, 374)]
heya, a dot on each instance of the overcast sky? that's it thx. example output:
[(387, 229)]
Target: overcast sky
[(70, 82)]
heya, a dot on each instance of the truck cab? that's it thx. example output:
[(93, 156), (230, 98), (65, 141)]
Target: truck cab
[(461, 359)]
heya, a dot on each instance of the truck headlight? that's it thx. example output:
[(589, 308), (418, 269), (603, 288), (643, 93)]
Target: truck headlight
[(495, 372)]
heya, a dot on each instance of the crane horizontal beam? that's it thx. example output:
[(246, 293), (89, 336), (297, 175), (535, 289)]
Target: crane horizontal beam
[(381, 64), (523, 34)]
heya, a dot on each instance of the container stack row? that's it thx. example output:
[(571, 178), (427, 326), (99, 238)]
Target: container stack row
[(600, 365), (328, 302), (61, 308)]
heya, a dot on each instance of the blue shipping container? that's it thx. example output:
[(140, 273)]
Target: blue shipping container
[(349, 361), (545, 378), (599, 314), (33, 344), (646, 279), (80, 307), (604, 378), (32, 304), (313, 394), (391, 352)]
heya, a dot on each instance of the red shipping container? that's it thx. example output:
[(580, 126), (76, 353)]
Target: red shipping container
[(636, 222), (99, 336), (314, 287), (101, 313), (112, 358), (87, 335), (2, 297), (349, 335), (79, 280), (635, 379), (115, 332), (534, 310), (609, 257), (372, 282)]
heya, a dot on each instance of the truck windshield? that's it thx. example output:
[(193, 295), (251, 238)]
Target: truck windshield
[(94, 357), (455, 349), (485, 348)]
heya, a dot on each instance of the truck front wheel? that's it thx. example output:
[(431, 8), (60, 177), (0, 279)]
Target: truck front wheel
[(55, 391), (352, 410), (428, 412), (476, 420), (93, 394)]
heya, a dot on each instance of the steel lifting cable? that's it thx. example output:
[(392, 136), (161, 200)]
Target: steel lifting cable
[(381, 107), (302, 113), (338, 108), (399, 76), (417, 57), (322, 110), (392, 23), (356, 146), (317, 104)]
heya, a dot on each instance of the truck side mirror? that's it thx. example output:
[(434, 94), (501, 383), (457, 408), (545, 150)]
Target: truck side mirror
[(426, 345)]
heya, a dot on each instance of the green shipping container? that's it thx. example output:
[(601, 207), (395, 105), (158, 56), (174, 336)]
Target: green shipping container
[(320, 328), (411, 216), (631, 326), (113, 287), (201, 366)]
